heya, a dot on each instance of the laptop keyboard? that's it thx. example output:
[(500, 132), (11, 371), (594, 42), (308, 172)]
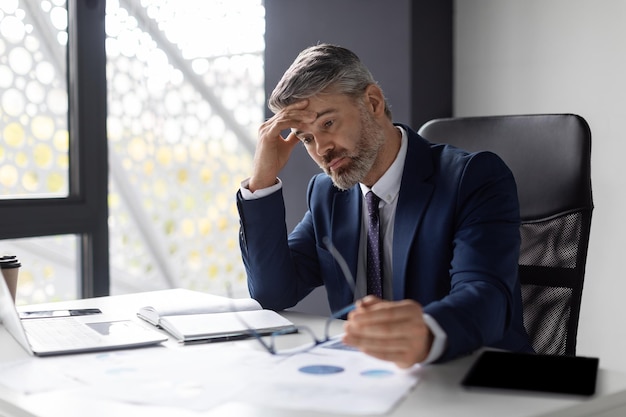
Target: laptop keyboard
[(64, 332)]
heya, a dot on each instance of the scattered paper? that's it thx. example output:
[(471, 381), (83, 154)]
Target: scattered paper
[(334, 381), (204, 376), (34, 375)]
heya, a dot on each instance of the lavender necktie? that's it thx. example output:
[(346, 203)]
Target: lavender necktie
[(374, 247)]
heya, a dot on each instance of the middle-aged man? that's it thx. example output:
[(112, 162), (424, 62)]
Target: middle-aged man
[(448, 221)]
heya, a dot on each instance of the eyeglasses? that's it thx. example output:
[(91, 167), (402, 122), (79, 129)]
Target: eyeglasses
[(277, 345)]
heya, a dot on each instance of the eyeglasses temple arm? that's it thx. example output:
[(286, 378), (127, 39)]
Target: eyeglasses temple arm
[(341, 261), (336, 315), (249, 328), (345, 310)]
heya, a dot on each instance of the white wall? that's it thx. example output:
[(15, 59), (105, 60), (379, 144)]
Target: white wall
[(562, 56)]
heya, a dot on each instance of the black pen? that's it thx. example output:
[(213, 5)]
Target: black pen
[(58, 313)]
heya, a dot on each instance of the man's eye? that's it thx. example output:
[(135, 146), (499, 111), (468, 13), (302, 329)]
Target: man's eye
[(306, 140), (329, 123)]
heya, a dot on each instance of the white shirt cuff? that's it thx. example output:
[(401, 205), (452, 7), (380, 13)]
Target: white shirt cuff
[(439, 340), (263, 192)]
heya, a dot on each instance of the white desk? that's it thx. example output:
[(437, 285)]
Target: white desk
[(438, 392)]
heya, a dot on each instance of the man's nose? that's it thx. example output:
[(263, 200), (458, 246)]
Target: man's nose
[(324, 144)]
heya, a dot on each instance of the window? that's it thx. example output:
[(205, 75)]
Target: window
[(185, 98), (179, 88), (51, 203), (34, 149)]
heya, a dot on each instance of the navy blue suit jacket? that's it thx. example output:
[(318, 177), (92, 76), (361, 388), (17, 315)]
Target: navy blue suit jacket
[(455, 245)]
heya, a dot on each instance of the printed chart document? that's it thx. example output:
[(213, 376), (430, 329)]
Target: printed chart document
[(332, 379), (192, 316), (201, 377)]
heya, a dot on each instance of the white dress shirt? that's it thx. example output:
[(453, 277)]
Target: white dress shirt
[(387, 189)]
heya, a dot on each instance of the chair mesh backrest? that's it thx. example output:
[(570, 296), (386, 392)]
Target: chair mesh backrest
[(549, 156), (551, 281)]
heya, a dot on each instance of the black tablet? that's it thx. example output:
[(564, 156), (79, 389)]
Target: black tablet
[(533, 372)]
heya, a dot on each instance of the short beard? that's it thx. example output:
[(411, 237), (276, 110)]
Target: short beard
[(371, 139)]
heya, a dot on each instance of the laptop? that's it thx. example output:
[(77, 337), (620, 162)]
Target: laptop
[(65, 335)]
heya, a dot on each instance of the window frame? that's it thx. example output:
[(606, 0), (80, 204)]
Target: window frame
[(85, 211)]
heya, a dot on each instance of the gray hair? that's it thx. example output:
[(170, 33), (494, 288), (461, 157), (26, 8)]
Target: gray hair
[(322, 68)]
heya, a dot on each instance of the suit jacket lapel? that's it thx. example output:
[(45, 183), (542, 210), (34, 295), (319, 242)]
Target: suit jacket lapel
[(346, 226), (413, 199)]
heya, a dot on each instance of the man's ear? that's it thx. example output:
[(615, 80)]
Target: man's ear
[(375, 99)]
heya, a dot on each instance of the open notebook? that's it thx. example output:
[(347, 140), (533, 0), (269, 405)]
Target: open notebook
[(62, 335), (192, 316)]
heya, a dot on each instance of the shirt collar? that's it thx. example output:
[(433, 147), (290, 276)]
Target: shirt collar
[(388, 186)]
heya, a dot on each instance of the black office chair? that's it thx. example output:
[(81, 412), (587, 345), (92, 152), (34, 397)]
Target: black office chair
[(549, 156)]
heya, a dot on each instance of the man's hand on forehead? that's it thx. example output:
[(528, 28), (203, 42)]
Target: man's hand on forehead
[(295, 116), (296, 105)]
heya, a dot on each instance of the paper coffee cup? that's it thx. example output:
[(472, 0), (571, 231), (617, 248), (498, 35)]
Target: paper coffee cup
[(10, 267)]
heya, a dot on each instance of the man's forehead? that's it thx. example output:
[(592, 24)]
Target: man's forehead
[(323, 104), (320, 114)]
